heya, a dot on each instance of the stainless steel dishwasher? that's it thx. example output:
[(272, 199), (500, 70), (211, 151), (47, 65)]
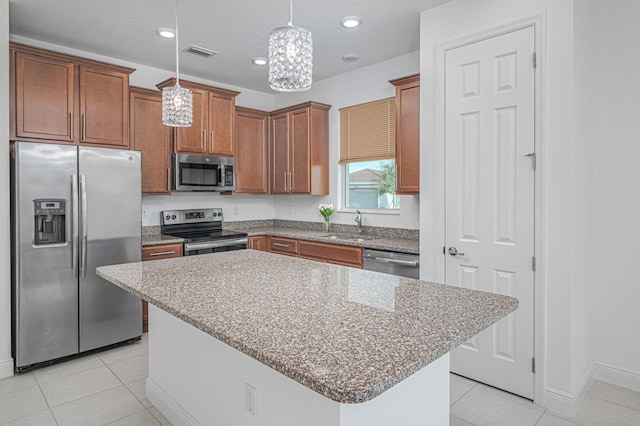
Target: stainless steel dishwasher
[(390, 262)]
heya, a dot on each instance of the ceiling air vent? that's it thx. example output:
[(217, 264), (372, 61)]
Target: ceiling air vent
[(200, 51)]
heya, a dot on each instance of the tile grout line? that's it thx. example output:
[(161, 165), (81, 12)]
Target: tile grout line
[(613, 402), (45, 398)]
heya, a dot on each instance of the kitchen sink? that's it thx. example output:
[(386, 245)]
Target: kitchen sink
[(348, 237)]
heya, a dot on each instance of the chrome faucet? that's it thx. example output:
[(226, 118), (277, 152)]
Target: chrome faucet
[(359, 221)]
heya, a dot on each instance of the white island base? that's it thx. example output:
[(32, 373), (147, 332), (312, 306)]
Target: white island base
[(194, 379)]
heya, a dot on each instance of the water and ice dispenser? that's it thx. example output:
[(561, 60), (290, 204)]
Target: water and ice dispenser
[(49, 221)]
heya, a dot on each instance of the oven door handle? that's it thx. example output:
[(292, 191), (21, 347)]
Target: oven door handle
[(213, 244)]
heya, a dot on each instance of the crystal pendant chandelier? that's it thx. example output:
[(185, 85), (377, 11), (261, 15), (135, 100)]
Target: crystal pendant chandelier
[(177, 102), (290, 57)]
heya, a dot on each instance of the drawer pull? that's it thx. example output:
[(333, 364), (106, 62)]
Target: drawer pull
[(162, 253), (280, 245)]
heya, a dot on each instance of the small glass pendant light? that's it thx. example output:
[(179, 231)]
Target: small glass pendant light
[(290, 57), (177, 102)]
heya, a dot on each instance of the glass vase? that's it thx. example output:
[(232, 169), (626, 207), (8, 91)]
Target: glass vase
[(327, 225)]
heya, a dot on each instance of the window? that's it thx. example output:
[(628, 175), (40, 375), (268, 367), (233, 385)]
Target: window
[(371, 185), (367, 151)]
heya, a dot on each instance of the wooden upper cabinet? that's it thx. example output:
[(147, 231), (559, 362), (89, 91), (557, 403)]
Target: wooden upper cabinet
[(408, 134), (104, 106), (213, 114), (44, 98), (61, 98), (300, 149), (252, 151), (148, 135)]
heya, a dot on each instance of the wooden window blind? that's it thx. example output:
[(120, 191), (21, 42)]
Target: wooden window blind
[(368, 131)]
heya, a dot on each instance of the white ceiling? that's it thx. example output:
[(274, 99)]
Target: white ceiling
[(238, 29)]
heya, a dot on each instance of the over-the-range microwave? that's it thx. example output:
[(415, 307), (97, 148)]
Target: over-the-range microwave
[(203, 173)]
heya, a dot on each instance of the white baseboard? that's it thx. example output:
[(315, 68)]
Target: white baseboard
[(568, 404), (617, 376), (173, 411), (6, 368)]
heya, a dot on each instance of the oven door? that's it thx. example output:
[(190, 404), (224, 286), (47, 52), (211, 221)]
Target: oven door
[(191, 249), (196, 173)]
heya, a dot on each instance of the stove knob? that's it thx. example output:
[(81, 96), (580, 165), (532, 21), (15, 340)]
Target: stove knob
[(173, 217), (167, 217)]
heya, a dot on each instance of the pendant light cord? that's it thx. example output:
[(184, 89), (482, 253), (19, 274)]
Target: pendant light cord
[(177, 50), (291, 12)]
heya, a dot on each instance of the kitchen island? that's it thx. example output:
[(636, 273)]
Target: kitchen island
[(248, 337)]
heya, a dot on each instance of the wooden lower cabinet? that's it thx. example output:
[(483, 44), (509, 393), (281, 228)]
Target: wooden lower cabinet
[(281, 245), (258, 243), (331, 253), (162, 251)]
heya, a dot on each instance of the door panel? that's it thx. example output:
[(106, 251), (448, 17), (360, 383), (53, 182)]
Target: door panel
[(109, 314), (104, 107), (252, 152), (490, 99), (299, 160), (44, 98), (191, 140), (280, 153), (221, 125), (46, 293)]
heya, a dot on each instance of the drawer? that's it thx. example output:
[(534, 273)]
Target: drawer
[(283, 246), (162, 251), (332, 253)]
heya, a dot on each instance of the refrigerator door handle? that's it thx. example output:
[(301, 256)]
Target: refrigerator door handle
[(74, 225), (83, 220)]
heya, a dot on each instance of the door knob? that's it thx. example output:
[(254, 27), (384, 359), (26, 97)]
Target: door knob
[(454, 252)]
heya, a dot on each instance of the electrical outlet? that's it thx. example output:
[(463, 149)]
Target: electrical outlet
[(236, 210), (250, 399), (290, 210), (145, 214)]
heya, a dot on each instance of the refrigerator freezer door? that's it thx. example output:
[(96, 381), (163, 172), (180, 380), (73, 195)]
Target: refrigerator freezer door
[(110, 219), (45, 284)]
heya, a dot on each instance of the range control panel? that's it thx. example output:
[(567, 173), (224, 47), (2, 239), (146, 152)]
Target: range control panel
[(177, 217)]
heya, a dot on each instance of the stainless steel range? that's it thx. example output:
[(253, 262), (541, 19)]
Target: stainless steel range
[(202, 231)]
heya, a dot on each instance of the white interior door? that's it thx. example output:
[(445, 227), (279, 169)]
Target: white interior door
[(490, 116)]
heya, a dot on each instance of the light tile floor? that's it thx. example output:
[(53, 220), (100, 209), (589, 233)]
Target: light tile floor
[(108, 388)]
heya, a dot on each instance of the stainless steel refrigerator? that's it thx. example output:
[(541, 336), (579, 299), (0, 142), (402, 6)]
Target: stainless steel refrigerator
[(72, 209)]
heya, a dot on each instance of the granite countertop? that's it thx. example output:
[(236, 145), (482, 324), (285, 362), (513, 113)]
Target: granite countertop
[(158, 239), (367, 241), (346, 333)]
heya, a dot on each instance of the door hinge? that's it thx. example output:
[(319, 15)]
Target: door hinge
[(533, 263), (534, 159), (13, 152), (533, 365), (443, 250), (535, 59)]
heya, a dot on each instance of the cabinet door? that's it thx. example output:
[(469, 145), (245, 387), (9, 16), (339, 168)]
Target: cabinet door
[(163, 251), (280, 153), (148, 135), (257, 243), (408, 137), (220, 125), (252, 151), (299, 159), (194, 139), (286, 246), (331, 253), (44, 106), (104, 107)]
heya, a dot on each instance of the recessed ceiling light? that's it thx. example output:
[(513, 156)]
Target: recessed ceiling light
[(259, 60), (166, 32), (351, 21), (350, 57)]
